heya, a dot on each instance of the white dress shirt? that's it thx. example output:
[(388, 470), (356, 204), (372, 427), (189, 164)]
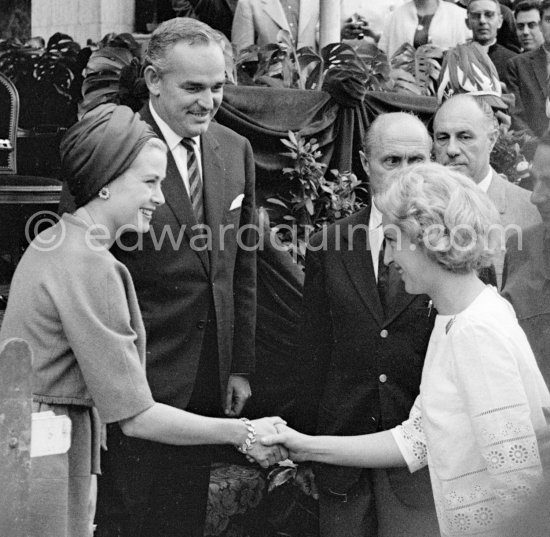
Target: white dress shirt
[(485, 183), (173, 141), (376, 237)]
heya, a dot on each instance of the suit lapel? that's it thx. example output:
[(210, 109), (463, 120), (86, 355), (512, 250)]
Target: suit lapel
[(175, 193), (497, 192), (399, 298), (275, 11), (213, 173), (540, 69), (357, 261)]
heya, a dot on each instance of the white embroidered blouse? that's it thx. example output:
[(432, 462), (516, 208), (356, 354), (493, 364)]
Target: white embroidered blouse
[(474, 421)]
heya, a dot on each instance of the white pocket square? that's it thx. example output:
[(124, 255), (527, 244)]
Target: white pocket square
[(237, 202)]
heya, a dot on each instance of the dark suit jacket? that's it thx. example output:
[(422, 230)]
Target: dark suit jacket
[(526, 285), (527, 81), (499, 56), (177, 286), (361, 368)]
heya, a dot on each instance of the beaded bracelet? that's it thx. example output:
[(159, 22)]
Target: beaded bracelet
[(250, 437)]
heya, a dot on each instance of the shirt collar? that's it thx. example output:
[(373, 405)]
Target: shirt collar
[(172, 139), (375, 219), (485, 183)]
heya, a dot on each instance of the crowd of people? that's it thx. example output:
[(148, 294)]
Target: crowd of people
[(424, 362)]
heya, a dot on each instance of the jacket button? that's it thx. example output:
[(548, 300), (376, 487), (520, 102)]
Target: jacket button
[(382, 378), (384, 334), (201, 324)]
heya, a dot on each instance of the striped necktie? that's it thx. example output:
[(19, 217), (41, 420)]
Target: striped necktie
[(195, 179)]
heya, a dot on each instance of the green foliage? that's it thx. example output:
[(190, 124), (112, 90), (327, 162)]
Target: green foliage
[(313, 200), (416, 70), (281, 65), (48, 79), (508, 158)]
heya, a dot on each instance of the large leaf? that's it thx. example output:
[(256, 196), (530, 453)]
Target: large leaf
[(311, 68), (422, 64)]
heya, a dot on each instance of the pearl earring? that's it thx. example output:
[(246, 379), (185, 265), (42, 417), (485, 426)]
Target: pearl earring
[(104, 193)]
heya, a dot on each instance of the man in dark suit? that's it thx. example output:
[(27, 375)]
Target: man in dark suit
[(364, 340), (195, 278), (465, 132), (485, 19), (527, 16), (527, 76)]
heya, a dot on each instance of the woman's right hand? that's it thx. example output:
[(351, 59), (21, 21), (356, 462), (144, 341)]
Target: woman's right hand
[(292, 440), (267, 456)]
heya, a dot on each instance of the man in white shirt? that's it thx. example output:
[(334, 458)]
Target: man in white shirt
[(465, 132), (363, 346)]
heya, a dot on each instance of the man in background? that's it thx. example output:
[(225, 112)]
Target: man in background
[(364, 341), (465, 132), (528, 25), (485, 19), (528, 76)]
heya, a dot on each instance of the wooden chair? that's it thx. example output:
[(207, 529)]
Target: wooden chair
[(9, 115), (20, 195)]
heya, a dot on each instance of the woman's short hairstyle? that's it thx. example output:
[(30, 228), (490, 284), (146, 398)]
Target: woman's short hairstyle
[(445, 213), (171, 32)]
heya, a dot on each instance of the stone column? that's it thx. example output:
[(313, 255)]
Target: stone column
[(82, 19)]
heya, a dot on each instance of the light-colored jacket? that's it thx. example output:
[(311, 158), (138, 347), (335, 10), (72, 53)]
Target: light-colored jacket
[(259, 22), (447, 29), (516, 212)]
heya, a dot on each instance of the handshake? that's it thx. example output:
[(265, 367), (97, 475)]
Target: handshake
[(270, 440)]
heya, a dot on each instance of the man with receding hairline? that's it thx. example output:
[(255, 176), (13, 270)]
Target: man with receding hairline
[(364, 340), (485, 19), (465, 132)]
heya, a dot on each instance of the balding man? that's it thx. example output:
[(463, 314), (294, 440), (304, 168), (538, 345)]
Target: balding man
[(364, 341), (465, 132)]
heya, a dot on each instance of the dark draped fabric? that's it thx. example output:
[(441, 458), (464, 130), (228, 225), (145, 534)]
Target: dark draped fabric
[(338, 122), (265, 115)]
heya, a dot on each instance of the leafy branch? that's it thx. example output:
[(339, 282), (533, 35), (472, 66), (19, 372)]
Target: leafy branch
[(313, 200)]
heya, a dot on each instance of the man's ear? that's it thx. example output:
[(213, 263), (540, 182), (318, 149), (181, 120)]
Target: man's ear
[(152, 79), (364, 161), (467, 20), (493, 136), (500, 20)]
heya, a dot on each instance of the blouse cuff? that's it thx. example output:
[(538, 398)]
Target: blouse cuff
[(414, 462)]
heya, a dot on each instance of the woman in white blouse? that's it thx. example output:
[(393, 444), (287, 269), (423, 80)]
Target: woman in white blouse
[(419, 22), (482, 395)]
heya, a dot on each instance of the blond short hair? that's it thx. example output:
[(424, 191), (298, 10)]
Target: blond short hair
[(443, 212)]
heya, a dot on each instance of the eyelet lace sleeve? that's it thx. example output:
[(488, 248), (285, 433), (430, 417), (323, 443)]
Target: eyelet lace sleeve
[(411, 439), (503, 467)]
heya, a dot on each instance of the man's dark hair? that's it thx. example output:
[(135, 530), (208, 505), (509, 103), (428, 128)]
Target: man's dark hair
[(545, 5), (527, 5)]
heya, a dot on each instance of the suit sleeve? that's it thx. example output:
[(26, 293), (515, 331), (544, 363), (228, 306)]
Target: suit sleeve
[(242, 31), (315, 341), (244, 279), (513, 83)]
